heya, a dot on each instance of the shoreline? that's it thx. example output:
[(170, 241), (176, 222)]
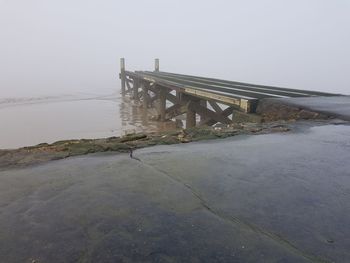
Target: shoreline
[(272, 116), (44, 152)]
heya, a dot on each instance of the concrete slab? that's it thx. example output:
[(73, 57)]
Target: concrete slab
[(264, 198)]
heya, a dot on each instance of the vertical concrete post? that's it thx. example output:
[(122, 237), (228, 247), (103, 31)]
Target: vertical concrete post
[(156, 65), (162, 102), (145, 96), (122, 74), (136, 89)]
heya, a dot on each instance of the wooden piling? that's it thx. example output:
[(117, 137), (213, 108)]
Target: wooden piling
[(145, 96), (162, 102), (204, 104), (122, 74), (136, 89), (190, 118), (156, 65), (190, 112), (178, 95)]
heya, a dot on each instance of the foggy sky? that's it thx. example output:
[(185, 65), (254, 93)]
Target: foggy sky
[(67, 46)]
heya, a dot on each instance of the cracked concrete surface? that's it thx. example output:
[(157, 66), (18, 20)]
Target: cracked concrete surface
[(265, 198)]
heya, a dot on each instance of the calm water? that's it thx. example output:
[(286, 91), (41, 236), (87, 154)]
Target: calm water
[(29, 121)]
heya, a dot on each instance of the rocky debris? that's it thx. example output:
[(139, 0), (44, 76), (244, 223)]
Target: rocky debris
[(273, 110), (184, 137)]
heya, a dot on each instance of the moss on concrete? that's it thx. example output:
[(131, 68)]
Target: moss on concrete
[(63, 149)]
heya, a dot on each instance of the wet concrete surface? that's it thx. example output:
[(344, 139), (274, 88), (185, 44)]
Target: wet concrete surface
[(264, 198)]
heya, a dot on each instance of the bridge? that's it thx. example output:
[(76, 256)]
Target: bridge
[(214, 100)]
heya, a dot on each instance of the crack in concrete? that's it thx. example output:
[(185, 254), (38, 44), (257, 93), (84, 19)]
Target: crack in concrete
[(234, 220)]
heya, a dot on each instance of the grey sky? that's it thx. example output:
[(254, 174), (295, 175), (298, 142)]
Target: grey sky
[(63, 46)]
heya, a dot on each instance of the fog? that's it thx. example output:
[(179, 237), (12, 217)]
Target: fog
[(55, 47)]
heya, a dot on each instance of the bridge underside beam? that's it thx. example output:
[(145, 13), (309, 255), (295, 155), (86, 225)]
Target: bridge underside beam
[(191, 106), (211, 120)]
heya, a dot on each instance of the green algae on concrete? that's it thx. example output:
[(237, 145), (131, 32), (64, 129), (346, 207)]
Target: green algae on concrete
[(63, 149)]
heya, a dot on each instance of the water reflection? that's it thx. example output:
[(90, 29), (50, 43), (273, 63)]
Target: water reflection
[(30, 121), (135, 119)]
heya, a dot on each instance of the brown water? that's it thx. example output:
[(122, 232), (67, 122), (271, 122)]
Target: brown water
[(30, 121)]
